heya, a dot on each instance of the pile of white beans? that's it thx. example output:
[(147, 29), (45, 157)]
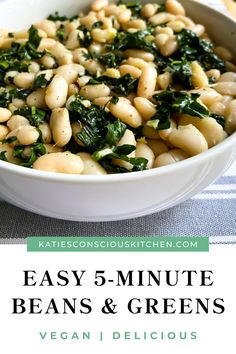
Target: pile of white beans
[(69, 72)]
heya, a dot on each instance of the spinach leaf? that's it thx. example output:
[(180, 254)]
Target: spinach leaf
[(124, 85), (3, 156), (35, 115)]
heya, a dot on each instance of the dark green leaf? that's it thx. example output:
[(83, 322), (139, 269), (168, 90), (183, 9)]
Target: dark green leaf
[(37, 149), (40, 82), (220, 119), (123, 85), (3, 156), (134, 5), (56, 17), (97, 24), (86, 39), (60, 34), (35, 115), (115, 131), (111, 60), (9, 140), (137, 40), (170, 102)]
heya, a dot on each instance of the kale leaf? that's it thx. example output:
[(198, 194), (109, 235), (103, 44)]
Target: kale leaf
[(136, 40), (36, 150), (40, 82), (134, 5), (169, 102), (3, 156), (35, 115), (124, 85), (191, 48)]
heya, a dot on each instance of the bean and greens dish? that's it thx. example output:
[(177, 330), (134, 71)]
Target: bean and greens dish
[(125, 87)]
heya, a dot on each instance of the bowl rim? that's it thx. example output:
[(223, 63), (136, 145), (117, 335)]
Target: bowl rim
[(130, 176)]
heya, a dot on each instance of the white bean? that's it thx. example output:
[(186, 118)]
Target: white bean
[(91, 167), (64, 162), (199, 77), (49, 27), (170, 157), (158, 147), (164, 134), (226, 88), (229, 76), (161, 18), (126, 113), (46, 134), (48, 61), (111, 72), (26, 135), (56, 92), (99, 5), (230, 117), (60, 126), (138, 53), (73, 40), (169, 47), (174, 7), (189, 139), (137, 62), (176, 25), (145, 107), (147, 82), (124, 16), (94, 91), (211, 130), (143, 150), (161, 39), (4, 131), (164, 80), (129, 69), (37, 98), (17, 121), (150, 132), (148, 10), (70, 72), (24, 80), (103, 35), (127, 139), (5, 115)]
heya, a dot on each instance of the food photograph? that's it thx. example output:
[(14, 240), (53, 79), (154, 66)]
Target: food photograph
[(117, 118)]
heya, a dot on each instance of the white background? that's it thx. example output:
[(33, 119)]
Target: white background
[(20, 333)]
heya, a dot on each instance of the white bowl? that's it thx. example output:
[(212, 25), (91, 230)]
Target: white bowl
[(113, 197)]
